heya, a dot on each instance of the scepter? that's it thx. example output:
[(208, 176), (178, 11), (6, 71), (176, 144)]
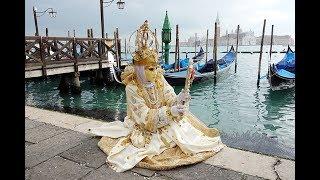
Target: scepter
[(190, 75), (188, 82)]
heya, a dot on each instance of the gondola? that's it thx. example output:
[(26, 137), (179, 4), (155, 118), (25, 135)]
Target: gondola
[(199, 56), (183, 62), (205, 71), (170, 67), (281, 75)]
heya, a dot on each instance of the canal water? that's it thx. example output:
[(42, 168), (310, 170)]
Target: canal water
[(249, 117)]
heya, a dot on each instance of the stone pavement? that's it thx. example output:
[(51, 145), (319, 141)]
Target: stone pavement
[(57, 146)]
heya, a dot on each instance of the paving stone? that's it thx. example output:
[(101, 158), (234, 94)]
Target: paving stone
[(244, 161), (27, 174), (104, 172), (43, 132), (28, 124), (58, 168), (87, 153), (284, 169), (44, 150), (84, 127), (249, 177), (64, 120), (27, 144), (202, 171), (143, 172)]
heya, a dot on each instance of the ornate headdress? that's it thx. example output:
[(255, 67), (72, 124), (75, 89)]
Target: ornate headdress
[(145, 53), (146, 46)]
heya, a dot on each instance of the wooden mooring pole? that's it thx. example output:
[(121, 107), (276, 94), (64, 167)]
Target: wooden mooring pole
[(117, 46), (207, 39), (48, 48), (262, 37), (195, 44), (125, 48), (176, 60), (270, 52), (236, 63), (178, 48), (215, 53), (227, 42)]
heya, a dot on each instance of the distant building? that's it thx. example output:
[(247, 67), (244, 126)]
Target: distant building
[(218, 26), (248, 38), (277, 40), (192, 40), (245, 39)]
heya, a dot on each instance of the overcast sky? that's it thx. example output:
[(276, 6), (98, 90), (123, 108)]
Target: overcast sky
[(192, 16)]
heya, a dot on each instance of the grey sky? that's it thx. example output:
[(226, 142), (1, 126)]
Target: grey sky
[(192, 16)]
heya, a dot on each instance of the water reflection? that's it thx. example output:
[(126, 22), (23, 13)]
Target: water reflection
[(71, 101), (205, 103), (278, 103)]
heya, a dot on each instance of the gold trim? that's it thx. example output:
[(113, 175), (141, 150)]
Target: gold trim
[(152, 120)]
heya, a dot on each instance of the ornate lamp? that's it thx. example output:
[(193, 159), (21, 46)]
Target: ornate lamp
[(52, 14), (120, 5)]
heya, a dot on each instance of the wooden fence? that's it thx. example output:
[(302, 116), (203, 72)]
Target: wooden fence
[(42, 52)]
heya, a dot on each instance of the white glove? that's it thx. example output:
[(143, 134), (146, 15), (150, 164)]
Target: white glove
[(137, 138), (179, 110), (163, 118), (183, 98)]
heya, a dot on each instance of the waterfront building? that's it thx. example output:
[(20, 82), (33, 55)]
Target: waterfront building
[(277, 40), (246, 38)]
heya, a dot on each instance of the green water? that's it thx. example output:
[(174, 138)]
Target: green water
[(249, 117)]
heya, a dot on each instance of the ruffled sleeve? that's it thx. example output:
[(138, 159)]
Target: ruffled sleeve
[(169, 94)]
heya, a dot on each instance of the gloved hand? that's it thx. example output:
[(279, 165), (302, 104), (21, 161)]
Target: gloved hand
[(179, 110), (183, 98)]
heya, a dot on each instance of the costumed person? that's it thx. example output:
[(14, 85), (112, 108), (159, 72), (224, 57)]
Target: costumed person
[(159, 132)]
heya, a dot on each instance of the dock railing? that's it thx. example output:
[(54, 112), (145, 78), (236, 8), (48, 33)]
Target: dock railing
[(43, 52)]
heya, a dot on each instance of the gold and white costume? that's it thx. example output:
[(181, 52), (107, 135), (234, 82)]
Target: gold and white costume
[(151, 136), (181, 142)]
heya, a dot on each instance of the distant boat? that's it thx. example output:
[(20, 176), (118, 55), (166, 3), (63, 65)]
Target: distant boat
[(199, 56), (183, 62), (282, 74), (205, 71), (170, 67)]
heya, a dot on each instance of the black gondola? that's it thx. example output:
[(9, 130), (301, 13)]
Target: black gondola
[(282, 74), (205, 71)]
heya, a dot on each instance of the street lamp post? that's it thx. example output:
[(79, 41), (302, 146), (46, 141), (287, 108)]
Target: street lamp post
[(120, 5), (51, 13)]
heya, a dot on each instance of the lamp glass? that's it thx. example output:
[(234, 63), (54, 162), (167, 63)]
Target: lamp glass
[(120, 4), (166, 36)]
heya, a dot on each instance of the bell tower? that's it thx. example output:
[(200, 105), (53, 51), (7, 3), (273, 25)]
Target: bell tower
[(218, 26)]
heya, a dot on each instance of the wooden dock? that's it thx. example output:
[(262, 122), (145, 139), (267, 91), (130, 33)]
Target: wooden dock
[(46, 56)]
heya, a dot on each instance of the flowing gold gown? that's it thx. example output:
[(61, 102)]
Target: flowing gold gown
[(143, 140)]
